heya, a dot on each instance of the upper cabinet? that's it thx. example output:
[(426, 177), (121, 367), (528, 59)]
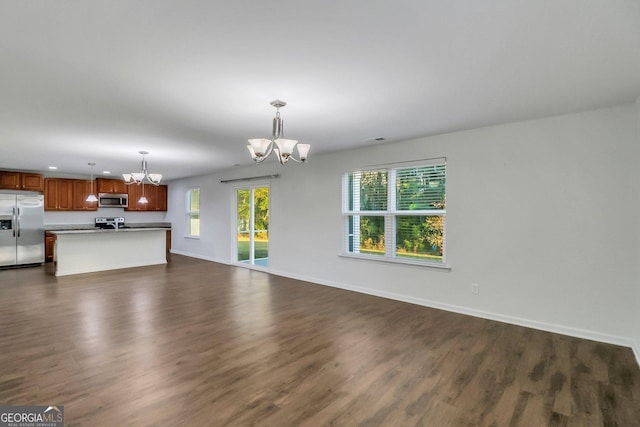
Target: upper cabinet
[(32, 181), (10, 180), (81, 190), (161, 197), (113, 186), (58, 194), (156, 196), (63, 194)]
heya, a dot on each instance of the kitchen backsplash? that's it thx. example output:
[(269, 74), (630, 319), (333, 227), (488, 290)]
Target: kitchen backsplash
[(78, 217)]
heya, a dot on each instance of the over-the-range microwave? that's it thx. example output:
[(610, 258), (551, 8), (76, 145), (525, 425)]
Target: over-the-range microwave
[(108, 200)]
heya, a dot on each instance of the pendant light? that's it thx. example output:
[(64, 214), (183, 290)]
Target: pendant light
[(261, 148), (91, 197), (143, 200)]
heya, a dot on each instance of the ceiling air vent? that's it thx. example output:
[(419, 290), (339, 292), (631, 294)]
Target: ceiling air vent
[(375, 140)]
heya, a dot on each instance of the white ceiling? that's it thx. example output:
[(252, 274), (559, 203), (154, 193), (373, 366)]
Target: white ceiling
[(189, 81)]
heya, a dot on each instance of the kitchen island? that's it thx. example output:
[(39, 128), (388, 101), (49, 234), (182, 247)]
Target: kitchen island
[(85, 251)]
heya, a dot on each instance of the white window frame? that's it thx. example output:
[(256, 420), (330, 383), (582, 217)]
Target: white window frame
[(390, 216), (234, 225), (189, 213)]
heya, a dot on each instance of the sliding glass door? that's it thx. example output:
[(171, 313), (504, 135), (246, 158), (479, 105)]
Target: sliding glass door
[(252, 225)]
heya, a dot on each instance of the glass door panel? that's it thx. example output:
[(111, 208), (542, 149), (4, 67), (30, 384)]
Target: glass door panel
[(261, 226), (243, 220), (253, 225)]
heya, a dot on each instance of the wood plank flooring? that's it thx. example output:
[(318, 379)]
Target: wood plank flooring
[(200, 343)]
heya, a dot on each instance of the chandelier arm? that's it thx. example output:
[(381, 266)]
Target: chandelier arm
[(278, 155), (270, 149)]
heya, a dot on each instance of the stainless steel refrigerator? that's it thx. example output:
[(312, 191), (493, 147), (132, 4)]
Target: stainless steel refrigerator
[(21, 229)]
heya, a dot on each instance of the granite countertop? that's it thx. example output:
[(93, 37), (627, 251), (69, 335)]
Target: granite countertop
[(106, 230), (91, 227)]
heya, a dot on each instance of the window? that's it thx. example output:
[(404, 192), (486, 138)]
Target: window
[(396, 214), (193, 212)]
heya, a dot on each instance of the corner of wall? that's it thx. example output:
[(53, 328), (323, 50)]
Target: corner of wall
[(636, 328), (636, 350)]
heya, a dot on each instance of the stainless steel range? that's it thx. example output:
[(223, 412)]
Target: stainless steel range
[(110, 223)]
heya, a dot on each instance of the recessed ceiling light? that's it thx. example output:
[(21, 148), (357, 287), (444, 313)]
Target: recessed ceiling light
[(106, 172), (53, 167)]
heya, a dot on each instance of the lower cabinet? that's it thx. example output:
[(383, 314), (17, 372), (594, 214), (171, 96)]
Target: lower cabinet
[(49, 245)]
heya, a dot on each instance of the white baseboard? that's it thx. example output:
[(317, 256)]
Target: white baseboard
[(636, 350), (528, 323), (192, 255)]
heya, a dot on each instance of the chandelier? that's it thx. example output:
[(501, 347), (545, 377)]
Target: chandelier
[(261, 148), (139, 177)]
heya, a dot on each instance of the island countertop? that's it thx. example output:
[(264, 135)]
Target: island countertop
[(128, 225), (106, 230)]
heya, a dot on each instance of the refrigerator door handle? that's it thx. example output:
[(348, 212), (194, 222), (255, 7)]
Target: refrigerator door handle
[(14, 219), (17, 223)]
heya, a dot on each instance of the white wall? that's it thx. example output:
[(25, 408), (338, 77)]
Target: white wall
[(542, 214)]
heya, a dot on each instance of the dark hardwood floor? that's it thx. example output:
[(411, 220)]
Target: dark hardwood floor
[(200, 343)]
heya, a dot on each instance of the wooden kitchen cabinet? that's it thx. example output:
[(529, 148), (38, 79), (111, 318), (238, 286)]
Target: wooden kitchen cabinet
[(81, 190), (49, 245), (58, 194), (113, 186), (31, 181), (150, 192), (64, 194), (156, 195), (161, 198), (10, 180), (135, 192)]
